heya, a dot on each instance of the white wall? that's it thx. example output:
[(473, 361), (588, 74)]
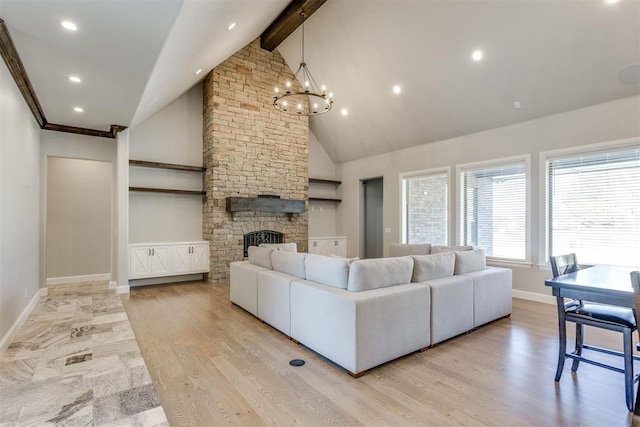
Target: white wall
[(19, 205), (173, 135), (72, 146), (599, 123), (78, 217), (322, 215)]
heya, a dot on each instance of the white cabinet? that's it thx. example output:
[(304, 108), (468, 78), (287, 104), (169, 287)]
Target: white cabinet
[(193, 258), (168, 259), (148, 261), (328, 246)]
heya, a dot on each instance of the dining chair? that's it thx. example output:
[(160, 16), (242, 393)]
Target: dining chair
[(635, 283), (602, 316)]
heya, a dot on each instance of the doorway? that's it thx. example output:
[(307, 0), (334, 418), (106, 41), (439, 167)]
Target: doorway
[(78, 218), (372, 196)]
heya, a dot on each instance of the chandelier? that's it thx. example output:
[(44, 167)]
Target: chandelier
[(311, 100)]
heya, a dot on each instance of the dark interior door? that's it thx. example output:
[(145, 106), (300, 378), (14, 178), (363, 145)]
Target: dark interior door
[(372, 212)]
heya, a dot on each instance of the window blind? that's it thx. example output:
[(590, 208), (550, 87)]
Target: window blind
[(593, 207), (493, 213), (425, 215)]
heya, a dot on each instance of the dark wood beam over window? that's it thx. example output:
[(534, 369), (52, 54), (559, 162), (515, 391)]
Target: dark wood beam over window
[(16, 68), (287, 22)]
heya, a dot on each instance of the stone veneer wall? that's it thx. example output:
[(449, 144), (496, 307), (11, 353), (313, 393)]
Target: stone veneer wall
[(250, 148)]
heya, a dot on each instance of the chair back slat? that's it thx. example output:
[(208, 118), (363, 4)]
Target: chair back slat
[(635, 283), (563, 264)]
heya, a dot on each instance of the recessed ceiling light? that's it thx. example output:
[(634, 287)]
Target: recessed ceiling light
[(397, 89), (69, 25), (198, 71), (75, 79), (516, 105), (78, 109), (610, 1), (344, 112), (231, 26), (476, 55)]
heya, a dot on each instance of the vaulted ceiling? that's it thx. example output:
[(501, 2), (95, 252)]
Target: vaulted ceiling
[(136, 56)]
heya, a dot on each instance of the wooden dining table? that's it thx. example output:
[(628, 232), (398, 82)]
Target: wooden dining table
[(605, 284)]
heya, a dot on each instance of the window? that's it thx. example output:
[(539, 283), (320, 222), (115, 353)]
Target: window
[(425, 202), (593, 206), (493, 214)]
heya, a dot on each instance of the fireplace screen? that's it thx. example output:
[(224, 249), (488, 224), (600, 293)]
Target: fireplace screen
[(255, 238)]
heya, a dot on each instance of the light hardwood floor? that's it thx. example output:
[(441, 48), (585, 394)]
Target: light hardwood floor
[(214, 364)]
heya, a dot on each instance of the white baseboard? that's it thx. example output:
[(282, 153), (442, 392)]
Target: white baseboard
[(77, 279), (532, 296), (122, 289), (112, 284), (11, 333)]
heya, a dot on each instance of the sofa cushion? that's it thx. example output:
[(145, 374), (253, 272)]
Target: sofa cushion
[(284, 247), (260, 256), (327, 270), (439, 249), (434, 266), (289, 262), (403, 249), (468, 261), (376, 273)]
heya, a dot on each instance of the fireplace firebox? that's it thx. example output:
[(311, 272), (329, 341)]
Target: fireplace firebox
[(255, 238)]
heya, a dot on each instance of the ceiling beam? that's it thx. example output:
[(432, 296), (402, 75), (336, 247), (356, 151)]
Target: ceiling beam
[(16, 68), (14, 64), (287, 22), (79, 130)]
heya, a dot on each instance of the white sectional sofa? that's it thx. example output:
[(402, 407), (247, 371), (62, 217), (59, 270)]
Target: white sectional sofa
[(364, 313)]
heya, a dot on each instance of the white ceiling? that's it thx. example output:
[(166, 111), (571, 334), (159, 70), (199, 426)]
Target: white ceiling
[(136, 56)]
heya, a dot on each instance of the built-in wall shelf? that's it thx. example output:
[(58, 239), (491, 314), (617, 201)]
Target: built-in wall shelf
[(328, 182), (324, 181), (146, 164), (167, 190), (324, 199)]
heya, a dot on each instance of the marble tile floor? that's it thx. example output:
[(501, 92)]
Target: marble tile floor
[(76, 362)]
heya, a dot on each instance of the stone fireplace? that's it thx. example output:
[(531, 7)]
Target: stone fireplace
[(250, 149)]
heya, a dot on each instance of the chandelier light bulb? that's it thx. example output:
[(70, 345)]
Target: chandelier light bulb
[(284, 104), (288, 85), (299, 106), (276, 90)]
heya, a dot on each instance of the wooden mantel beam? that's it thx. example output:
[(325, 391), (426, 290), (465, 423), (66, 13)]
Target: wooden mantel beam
[(287, 22)]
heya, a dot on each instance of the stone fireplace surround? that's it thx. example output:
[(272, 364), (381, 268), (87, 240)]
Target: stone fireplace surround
[(250, 149)]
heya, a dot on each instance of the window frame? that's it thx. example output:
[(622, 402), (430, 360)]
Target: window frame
[(402, 211), (583, 150), (526, 159)]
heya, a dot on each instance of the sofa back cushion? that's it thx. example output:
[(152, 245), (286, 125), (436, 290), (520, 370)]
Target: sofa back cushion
[(327, 270), (436, 266), (404, 249), (468, 261), (377, 273), (260, 256), (439, 249), (284, 247), (289, 262)]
